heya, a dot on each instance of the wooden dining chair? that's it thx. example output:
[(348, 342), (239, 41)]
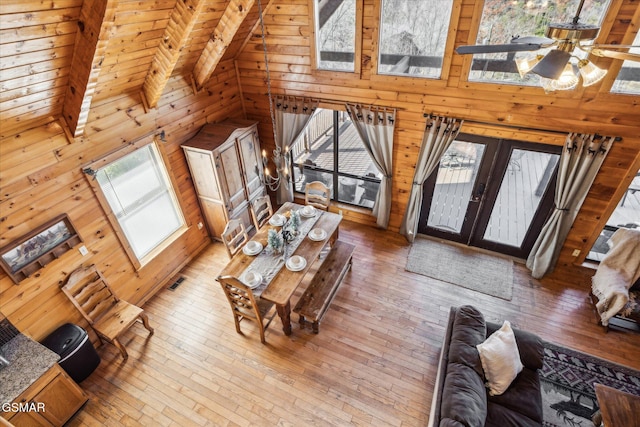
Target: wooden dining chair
[(234, 236), (318, 195), (245, 306), (262, 210), (108, 315)]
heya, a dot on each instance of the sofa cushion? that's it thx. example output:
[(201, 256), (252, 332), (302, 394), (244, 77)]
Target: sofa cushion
[(500, 359), (468, 331), (499, 416), (529, 346), (523, 396), (464, 398)]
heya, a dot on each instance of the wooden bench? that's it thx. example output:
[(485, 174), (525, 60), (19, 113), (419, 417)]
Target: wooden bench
[(318, 296)]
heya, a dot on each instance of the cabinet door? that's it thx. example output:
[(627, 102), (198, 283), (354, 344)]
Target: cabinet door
[(29, 419), (215, 215), (230, 175), (204, 174), (251, 161), (62, 398)]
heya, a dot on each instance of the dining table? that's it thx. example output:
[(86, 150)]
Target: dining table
[(279, 283)]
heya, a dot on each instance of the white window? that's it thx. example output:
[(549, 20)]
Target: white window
[(626, 214), (628, 80), (335, 35), (503, 20), (413, 35), (135, 188)]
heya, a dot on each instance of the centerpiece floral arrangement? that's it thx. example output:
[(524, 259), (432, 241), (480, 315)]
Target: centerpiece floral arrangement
[(278, 240)]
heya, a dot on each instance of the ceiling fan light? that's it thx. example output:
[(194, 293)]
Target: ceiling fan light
[(525, 65), (567, 80), (552, 65), (590, 73)]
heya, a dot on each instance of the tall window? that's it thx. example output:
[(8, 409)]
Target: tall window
[(331, 151), (136, 189), (413, 37), (335, 34), (626, 214), (628, 80), (503, 20)]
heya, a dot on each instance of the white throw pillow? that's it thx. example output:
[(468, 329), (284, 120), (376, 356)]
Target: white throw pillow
[(500, 359)]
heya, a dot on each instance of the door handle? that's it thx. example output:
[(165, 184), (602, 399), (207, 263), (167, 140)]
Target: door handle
[(479, 192)]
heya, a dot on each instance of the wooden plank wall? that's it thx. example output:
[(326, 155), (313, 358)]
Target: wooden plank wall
[(502, 110), (40, 169)]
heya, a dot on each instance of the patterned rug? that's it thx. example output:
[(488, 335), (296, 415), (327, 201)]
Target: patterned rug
[(568, 396)]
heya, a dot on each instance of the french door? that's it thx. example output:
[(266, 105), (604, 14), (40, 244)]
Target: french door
[(491, 193)]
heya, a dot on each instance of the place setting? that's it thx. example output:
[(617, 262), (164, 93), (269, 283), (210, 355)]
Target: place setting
[(317, 234), (277, 220), (252, 248), (251, 279), (308, 211), (296, 263)]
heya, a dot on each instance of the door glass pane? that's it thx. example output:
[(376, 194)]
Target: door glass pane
[(524, 183), (456, 177)]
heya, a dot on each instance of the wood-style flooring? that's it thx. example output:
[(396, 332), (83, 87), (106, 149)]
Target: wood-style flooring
[(373, 363)]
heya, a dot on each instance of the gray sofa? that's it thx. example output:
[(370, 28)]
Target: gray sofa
[(460, 396)]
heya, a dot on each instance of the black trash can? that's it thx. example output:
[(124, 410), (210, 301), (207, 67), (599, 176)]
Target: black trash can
[(78, 357)]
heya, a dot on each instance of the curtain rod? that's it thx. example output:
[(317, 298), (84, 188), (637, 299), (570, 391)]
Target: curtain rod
[(339, 102), (617, 138)]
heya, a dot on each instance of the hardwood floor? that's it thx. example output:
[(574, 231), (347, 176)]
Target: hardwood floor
[(373, 363)]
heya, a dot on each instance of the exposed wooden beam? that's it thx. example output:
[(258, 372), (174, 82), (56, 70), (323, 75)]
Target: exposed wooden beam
[(183, 18), (222, 36), (94, 24)]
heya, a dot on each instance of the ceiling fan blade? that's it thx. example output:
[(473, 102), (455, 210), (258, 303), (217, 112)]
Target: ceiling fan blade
[(616, 55), (496, 48), (552, 64), (533, 40)]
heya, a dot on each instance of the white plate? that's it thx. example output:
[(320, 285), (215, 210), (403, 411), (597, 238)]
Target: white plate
[(255, 251), (255, 283), (317, 238), (290, 266), (277, 220), (308, 212)]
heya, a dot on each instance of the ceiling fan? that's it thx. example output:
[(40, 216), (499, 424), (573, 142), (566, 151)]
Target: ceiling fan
[(565, 37)]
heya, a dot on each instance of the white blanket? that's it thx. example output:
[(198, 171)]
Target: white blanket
[(617, 272)]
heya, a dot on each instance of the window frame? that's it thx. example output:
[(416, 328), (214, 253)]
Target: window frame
[(92, 169), (452, 31), (357, 58), (602, 225), (335, 173)]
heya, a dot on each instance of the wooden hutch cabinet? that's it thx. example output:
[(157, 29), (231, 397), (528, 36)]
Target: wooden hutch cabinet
[(226, 167)]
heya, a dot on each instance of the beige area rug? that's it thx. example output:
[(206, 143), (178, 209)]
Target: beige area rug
[(471, 269)]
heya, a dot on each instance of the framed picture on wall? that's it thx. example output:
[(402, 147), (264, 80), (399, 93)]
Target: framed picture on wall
[(31, 252)]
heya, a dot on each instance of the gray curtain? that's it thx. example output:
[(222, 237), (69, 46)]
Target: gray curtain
[(291, 117), (375, 126), (439, 133), (580, 161)]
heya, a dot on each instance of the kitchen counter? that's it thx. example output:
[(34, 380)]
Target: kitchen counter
[(28, 361)]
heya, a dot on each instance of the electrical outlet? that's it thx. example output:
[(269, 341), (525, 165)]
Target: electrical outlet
[(200, 225), (83, 250), (575, 252), (340, 212)]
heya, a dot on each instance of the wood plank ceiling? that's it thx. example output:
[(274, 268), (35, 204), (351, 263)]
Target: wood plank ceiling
[(58, 59)]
